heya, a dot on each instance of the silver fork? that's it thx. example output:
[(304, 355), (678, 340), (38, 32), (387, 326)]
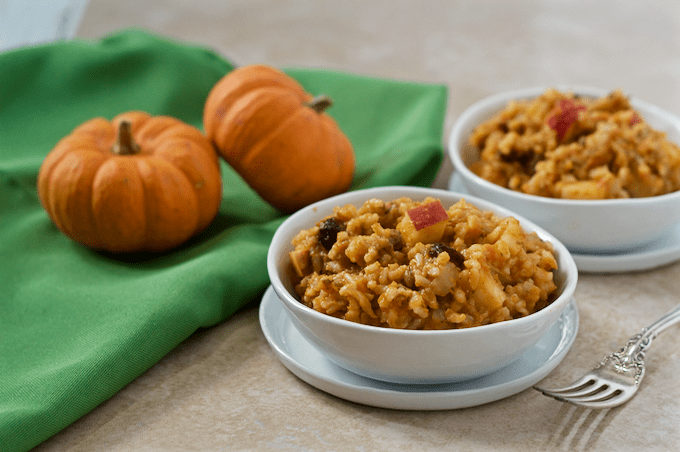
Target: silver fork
[(616, 379)]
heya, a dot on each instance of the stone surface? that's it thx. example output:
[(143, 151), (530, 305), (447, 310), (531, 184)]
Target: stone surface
[(224, 389)]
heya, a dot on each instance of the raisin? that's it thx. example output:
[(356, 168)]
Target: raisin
[(328, 232), (455, 256)]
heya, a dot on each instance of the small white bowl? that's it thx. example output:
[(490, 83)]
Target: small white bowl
[(583, 226), (410, 356)]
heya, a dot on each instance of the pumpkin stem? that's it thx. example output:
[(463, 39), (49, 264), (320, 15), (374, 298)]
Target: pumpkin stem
[(320, 103), (124, 144)]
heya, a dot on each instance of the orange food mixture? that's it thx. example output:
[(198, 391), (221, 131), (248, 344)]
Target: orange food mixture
[(367, 264), (563, 146)]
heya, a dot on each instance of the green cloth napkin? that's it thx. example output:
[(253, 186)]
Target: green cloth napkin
[(77, 325)]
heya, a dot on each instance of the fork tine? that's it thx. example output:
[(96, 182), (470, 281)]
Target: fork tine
[(592, 389), (585, 382), (614, 400), (550, 393), (609, 398), (602, 394), (583, 390)]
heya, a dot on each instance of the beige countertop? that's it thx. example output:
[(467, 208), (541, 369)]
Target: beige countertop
[(225, 389)]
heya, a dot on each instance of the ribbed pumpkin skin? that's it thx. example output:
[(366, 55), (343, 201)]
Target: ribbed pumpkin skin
[(153, 200), (290, 154)]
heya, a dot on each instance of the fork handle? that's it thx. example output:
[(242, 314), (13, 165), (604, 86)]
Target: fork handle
[(637, 345)]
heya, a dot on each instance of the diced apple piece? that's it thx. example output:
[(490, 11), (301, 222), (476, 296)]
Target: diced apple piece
[(300, 261), (634, 119), (563, 116), (427, 215), (425, 223)]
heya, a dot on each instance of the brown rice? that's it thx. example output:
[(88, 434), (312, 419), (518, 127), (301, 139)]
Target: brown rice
[(563, 146), (483, 269)]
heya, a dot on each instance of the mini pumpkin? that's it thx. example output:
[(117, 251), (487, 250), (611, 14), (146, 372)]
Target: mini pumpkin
[(135, 183), (278, 137)]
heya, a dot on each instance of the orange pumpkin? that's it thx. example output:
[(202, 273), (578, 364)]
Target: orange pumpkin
[(278, 138), (136, 183)]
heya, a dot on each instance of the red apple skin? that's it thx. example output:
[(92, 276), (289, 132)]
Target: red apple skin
[(427, 215), (425, 223)]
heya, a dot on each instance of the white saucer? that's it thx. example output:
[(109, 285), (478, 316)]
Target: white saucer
[(661, 252), (310, 365)]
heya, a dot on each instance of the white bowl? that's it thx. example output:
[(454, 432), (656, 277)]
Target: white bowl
[(410, 356), (584, 226)]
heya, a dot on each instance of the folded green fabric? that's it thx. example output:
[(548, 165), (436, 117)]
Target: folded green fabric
[(77, 325)]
